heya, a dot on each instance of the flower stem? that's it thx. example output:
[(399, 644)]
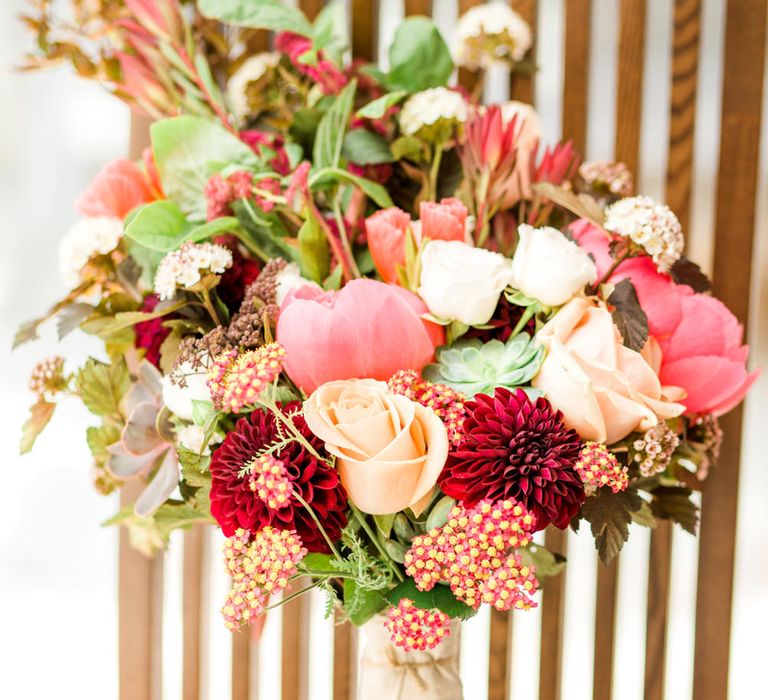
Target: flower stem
[(611, 270), (290, 597), (319, 525), (209, 307), (354, 270), (390, 562), (528, 314), (434, 171)]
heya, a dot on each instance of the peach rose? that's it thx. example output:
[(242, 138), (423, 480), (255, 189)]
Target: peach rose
[(389, 450), (604, 390)]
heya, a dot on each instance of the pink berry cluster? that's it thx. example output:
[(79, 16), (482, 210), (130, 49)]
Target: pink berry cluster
[(269, 480), (415, 629), (237, 379), (597, 466), (471, 553), (447, 403), (259, 567)]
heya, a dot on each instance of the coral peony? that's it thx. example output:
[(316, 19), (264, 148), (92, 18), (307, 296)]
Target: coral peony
[(359, 331), (700, 339), (118, 187), (235, 501), (386, 231), (517, 449)]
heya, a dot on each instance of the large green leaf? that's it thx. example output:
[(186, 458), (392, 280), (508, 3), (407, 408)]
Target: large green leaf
[(188, 150), (330, 131), (440, 598), (361, 604), (102, 386), (366, 147), (377, 108), (419, 57), (260, 14), (329, 31), (374, 190)]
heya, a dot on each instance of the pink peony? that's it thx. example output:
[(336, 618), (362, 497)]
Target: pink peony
[(386, 230), (117, 188), (700, 339), (367, 330)]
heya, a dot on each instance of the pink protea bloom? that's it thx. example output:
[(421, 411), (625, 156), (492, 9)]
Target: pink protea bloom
[(558, 163), (158, 16), (118, 187), (700, 340)]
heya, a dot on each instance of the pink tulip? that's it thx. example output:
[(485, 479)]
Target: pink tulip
[(367, 330), (117, 188), (386, 231), (700, 339)]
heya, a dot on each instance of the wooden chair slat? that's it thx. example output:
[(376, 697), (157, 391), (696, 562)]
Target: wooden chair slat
[(192, 607), (521, 86), (684, 78), (418, 7), (344, 661), (364, 28), (140, 578), (745, 39), (552, 608), (576, 72), (295, 650), (659, 564), (241, 666), (605, 622), (498, 655)]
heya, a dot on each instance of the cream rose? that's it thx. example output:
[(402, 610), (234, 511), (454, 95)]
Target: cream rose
[(462, 283), (549, 267), (389, 450), (604, 389)]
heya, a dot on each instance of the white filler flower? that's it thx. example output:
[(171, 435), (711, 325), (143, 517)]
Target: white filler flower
[(88, 237), (182, 267), (431, 106), (250, 71), (490, 33), (653, 226)]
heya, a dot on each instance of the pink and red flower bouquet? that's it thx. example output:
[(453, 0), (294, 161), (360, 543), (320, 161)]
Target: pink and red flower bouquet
[(376, 332)]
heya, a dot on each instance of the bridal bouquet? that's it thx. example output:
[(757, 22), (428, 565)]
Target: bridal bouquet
[(375, 331)]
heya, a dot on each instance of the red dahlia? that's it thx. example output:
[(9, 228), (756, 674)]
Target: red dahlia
[(235, 503), (516, 448)]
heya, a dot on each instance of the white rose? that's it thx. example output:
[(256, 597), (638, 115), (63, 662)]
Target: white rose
[(462, 283), (548, 267), (179, 399), (288, 279)]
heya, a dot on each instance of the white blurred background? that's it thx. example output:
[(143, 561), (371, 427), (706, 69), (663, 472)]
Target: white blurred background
[(58, 568)]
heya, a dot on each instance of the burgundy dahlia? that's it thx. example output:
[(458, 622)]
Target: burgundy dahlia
[(151, 334), (516, 448), (235, 502)]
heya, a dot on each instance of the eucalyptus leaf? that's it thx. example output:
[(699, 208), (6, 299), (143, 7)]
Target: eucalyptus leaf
[(258, 14), (438, 516)]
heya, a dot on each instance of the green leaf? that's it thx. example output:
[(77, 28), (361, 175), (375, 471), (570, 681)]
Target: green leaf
[(39, 415), (333, 281), (361, 604), (315, 561), (610, 515), (102, 386), (329, 31), (440, 598), (188, 150), (628, 315), (330, 131), (159, 226), (419, 57), (126, 319), (546, 563), (260, 231), (101, 437), (366, 147), (374, 190), (258, 14), (644, 516), (384, 523), (174, 516), (674, 503), (377, 108), (71, 317), (314, 256)]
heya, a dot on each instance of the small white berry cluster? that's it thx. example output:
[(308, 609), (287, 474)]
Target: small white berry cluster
[(488, 34), (652, 226), (435, 106), (181, 268)]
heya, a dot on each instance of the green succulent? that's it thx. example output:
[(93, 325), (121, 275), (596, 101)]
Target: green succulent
[(473, 367)]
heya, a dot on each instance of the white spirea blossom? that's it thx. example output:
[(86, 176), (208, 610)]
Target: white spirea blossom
[(490, 33), (250, 71), (431, 106), (182, 267), (88, 237), (652, 226), (288, 279)]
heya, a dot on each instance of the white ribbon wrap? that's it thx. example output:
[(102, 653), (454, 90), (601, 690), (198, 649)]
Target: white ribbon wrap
[(390, 673)]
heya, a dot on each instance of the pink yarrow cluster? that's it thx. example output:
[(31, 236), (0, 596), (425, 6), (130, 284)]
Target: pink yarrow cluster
[(415, 629), (221, 192), (471, 554), (258, 567), (447, 403), (323, 72), (270, 482), (237, 379), (597, 466)]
